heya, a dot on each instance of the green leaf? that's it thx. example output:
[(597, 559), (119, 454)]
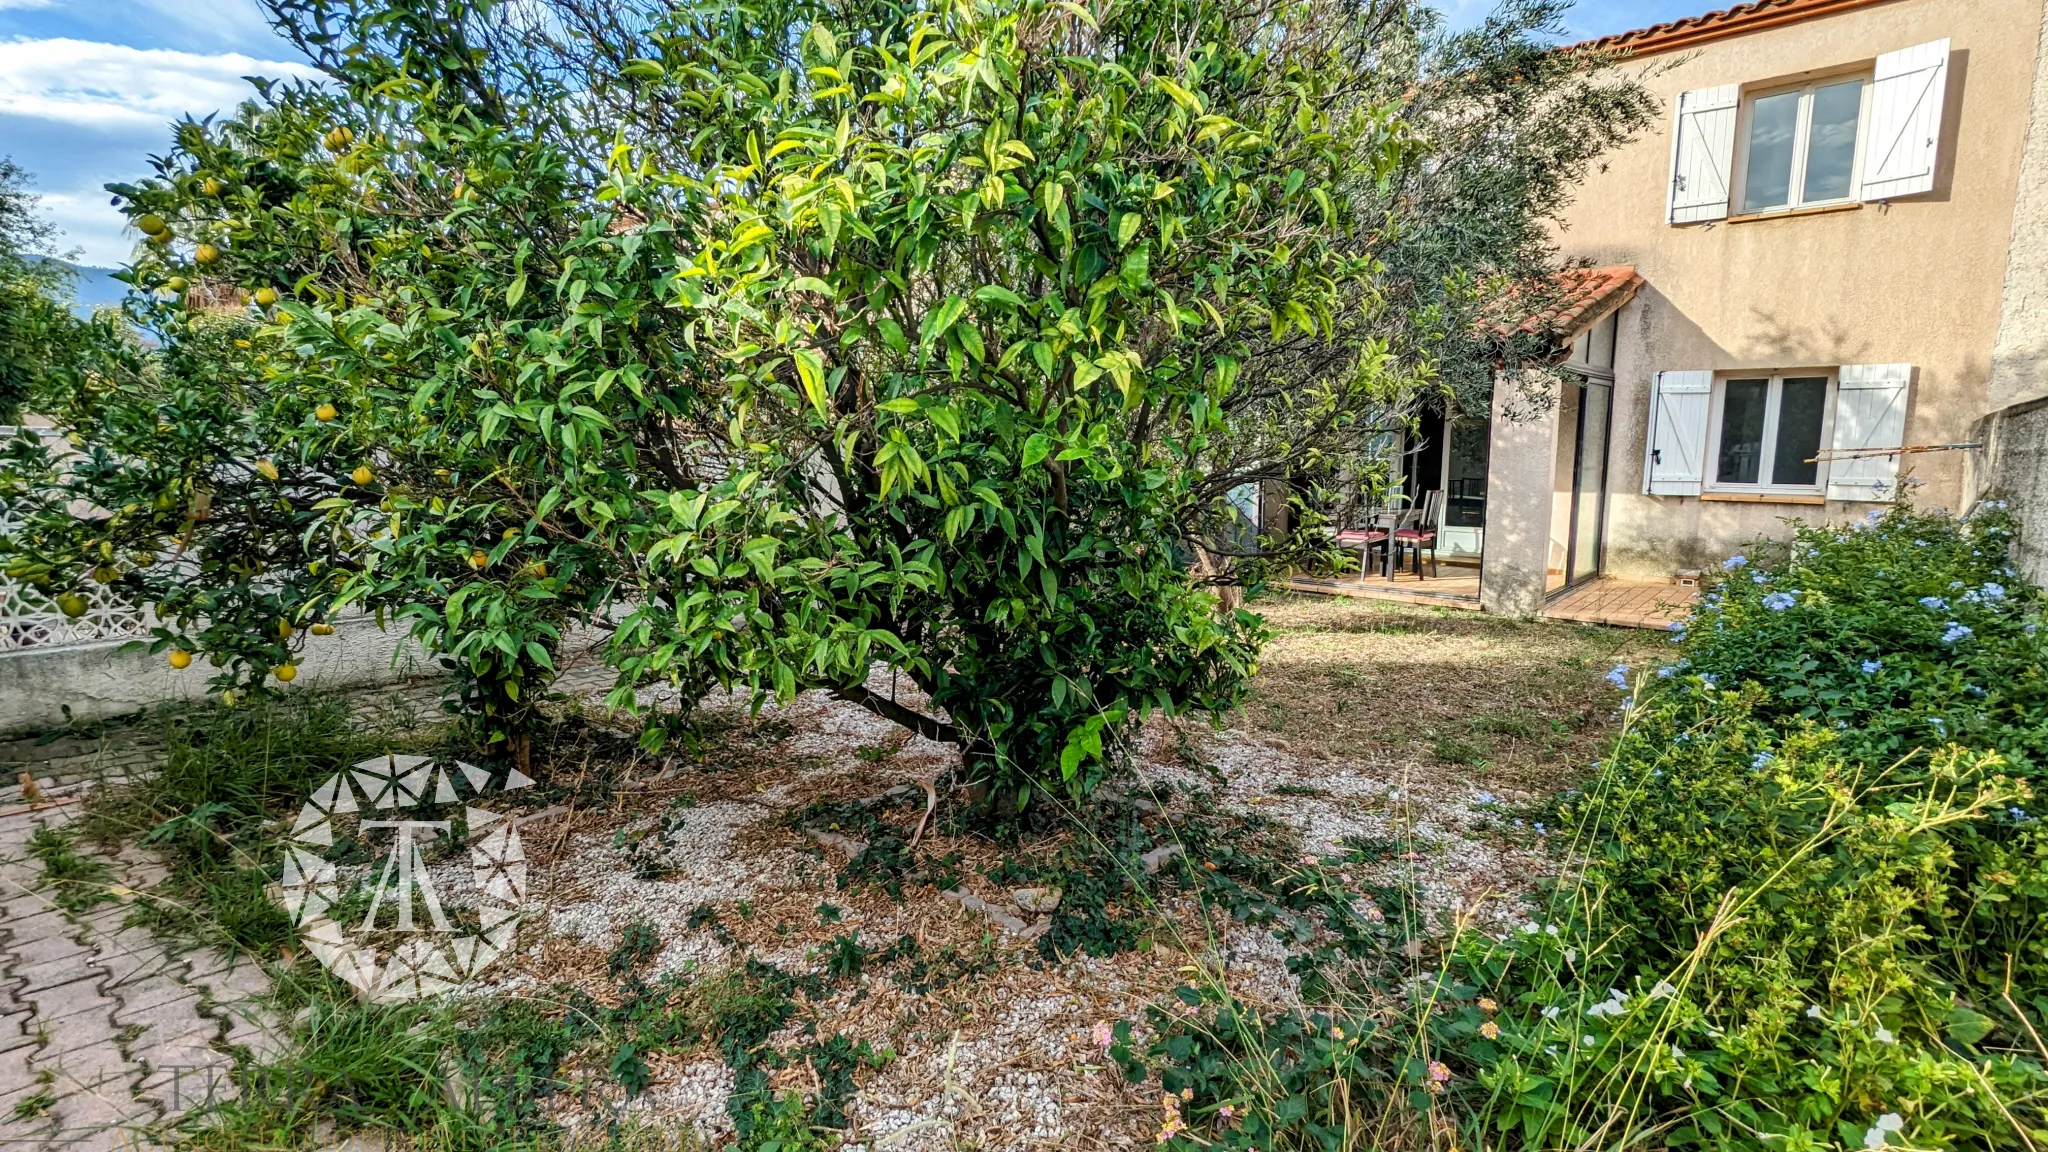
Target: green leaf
[(998, 294), (810, 369), (811, 284), (517, 291), (1037, 448), (1967, 1027)]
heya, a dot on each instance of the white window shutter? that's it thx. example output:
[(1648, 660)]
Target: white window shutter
[(1904, 137), (1870, 412), (1703, 154), (1675, 455)]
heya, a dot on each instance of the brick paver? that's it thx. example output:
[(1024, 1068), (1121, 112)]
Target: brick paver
[(105, 1031)]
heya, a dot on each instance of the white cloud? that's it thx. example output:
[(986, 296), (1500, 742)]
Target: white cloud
[(83, 113), (109, 87), (25, 5)]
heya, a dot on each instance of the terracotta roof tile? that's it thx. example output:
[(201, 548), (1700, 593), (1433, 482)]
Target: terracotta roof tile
[(1577, 296), (1695, 30)]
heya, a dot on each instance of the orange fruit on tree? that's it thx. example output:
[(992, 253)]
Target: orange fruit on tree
[(180, 659), (479, 558), (206, 254), (322, 629), (325, 412), (151, 224), (286, 673), (362, 475), (213, 187), (266, 296)]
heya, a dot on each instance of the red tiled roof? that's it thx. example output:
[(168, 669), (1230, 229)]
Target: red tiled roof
[(1696, 30), (1584, 295)]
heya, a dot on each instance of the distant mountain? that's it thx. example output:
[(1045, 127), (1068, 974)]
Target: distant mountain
[(91, 286)]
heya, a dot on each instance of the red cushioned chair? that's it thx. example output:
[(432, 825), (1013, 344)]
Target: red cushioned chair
[(1363, 539), (1421, 534)]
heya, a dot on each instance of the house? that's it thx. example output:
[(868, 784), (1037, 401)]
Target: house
[(1799, 292)]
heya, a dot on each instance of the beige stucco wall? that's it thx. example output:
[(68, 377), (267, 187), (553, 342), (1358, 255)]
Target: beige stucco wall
[(1917, 281)]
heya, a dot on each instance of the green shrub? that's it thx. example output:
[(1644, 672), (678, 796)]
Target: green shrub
[(1805, 905)]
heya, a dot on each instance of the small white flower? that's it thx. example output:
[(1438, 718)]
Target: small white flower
[(1550, 1013), (1664, 988), (1677, 1053), (1881, 1131), (1586, 1040), (1571, 955), (1551, 929), (1813, 1011), (1884, 1035)]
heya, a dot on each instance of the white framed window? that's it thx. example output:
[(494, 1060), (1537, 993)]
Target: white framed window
[(1763, 431), (1802, 146)]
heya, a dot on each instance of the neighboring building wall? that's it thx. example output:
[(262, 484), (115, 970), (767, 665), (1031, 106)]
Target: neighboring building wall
[(2016, 457), (2019, 361), (1912, 281)]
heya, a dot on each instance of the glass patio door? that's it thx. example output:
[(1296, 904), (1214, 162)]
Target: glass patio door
[(1585, 549)]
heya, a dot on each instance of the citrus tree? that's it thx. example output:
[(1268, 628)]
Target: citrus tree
[(770, 342)]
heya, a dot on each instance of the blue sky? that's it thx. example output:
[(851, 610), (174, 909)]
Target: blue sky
[(89, 87)]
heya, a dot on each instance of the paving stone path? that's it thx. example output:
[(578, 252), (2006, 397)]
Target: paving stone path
[(105, 1031)]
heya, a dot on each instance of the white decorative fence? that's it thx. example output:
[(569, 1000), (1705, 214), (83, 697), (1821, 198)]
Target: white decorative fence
[(30, 618)]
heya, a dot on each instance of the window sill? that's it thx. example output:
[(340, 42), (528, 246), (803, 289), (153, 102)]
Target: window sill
[(1764, 497), (1783, 214)]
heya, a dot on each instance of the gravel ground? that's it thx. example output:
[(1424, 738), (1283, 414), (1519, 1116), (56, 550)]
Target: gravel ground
[(1005, 1058)]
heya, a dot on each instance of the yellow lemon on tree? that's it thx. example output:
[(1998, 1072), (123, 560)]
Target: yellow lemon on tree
[(479, 558), (163, 237), (177, 284), (286, 673), (362, 475), (151, 224), (72, 604), (339, 138), (322, 629), (180, 659), (284, 629), (540, 568), (206, 254), (266, 296), (266, 469), (325, 412), (213, 187)]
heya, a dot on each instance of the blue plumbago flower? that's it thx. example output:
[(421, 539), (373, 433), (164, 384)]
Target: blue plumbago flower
[(1940, 725), (1933, 603), (1707, 678), (1872, 667), (1761, 759), (1955, 633), (1988, 594), (1520, 824), (1779, 601), (1626, 701), (2030, 627), (1541, 830), (1759, 578), (2016, 813), (1666, 672), (1871, 518), (1677, 629), (1618, 676), (1736, 561), (1954, 584), (1484, 798), (1974, 690)]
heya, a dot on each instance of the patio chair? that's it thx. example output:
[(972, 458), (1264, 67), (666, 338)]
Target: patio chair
[(1364, 539), (1421, 533)]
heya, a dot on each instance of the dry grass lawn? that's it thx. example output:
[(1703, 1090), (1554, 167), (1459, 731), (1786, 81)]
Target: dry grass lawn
[(1521, 704)]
